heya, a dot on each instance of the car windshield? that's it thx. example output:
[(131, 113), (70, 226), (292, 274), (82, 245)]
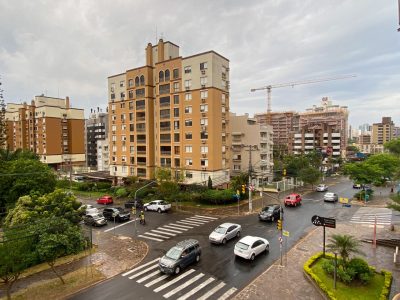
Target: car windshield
[(242, 246), (220, 229), (97, 216), (174, 253), (291, 197), (268, 209)]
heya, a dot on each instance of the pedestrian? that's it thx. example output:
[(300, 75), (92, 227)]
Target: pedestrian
[(142, 219)]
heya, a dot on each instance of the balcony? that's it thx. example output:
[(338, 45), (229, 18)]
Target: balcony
[(167, 128), (164, 152), (141, 141)]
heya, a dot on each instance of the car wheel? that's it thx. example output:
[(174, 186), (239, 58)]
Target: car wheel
[(252, 257), (197, 258), (224, 241), (177, 270), (145, 208), (159, 210), (267, 248), (238, 234)]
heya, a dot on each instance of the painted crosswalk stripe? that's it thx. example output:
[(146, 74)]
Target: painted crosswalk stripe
[(178, 226), (163, 232), (157, 235), (170, 230), (143, 271), (196, 289), (188, 223), (227, 294), (153, 282), (200, 219), (212, 291), (112, 228), (141, 267), (207, 217), (180, 277), (182, 286), (195, 220), (369, 222), (150, 238), (148, 276)]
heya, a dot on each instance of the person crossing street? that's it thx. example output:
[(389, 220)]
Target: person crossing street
[(142, 219)]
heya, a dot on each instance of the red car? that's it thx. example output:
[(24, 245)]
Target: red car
[(293, 200), (105, 200)]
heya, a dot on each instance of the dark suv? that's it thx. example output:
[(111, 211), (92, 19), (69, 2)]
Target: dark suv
[(119, 213), (180, 256), (270, 213)]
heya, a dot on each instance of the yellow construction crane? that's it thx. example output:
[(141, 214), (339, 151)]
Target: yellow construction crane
[(292, 84)]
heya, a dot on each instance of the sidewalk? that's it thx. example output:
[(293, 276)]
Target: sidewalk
[(289, 282)]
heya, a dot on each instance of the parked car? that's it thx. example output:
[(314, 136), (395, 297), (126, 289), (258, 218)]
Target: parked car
[(225, 232), (331, 197), (292, 200), (270, 213), (180, 256), (357, 186), (250, 246), (94, 219), (134, 203), (119, 213), (157, 205), (88, 209), (321, 188), (367, 188), (105, 200)]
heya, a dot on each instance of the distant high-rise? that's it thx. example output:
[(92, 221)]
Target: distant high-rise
[(96, 130), (383, 132)]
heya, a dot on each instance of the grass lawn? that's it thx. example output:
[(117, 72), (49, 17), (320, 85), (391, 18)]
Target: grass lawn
[(356, 291)]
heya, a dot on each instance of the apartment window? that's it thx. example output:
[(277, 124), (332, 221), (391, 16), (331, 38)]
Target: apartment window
[(140, 104), (188, 110), (123, 127), (113, 128), (140, 93), (130, 103), (176, 137), (132, 149), (175, 73), (161, 76), (176, 125), (188, 83), (188, 135), (112, 106), (112, 88), (130, 82), (188, 175), (122, 83), (204, 162), (204, 149), (188, 96), (165, 101), (188, 69), (122, 105), (176, 86), (203, 81), (131, 127), (203, 66), (123, 138), (165, 113), (176, 112), (142, 80), (113, 117), (164, 89), (112, 96), (131, 138), (130, 94), (236, 167), (130, 116), (122, 117), (204, 94), (176, 99), (114, 138), (204, 135), (167, 75), (137, 81), (188, 149), (188, 162), (204, 108), (188, 122), (204, 122), (223, 98)]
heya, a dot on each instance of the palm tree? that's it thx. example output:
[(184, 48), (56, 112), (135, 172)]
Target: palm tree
[(344, 245)]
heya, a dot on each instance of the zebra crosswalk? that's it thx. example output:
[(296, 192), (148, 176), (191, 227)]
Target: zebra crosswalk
[(169, 230), (367, 215), (189, 284)]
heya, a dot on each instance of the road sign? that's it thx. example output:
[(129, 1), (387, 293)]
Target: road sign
[(285, 233), (321, 221), (330, 222), (343, 200)]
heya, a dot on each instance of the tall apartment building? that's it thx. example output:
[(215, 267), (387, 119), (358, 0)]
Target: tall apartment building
[(383, 132), (96, 130), (103, 155), (49, 127), (171, 113), (246, 132)]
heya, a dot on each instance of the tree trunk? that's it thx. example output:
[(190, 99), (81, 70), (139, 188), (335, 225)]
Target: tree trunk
[(55, 272)]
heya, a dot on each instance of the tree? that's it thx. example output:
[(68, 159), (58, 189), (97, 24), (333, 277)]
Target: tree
[(352, 148), (393, 146), (238, 181), (210, 186), (309, 175), (363, 173), (57, 238), (31, 208), (294, 163), (3, 122), (389, 164), (168, 190), (314, 158), (345, 245), (163, 174)]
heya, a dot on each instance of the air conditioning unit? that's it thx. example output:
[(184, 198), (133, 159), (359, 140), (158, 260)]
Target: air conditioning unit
[(203, 72), (227, 69), (203, 86), (203, 100)]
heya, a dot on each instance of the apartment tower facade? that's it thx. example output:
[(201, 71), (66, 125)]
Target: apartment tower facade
[(96, 130), (383, 132), (171, 113), (49, 127)]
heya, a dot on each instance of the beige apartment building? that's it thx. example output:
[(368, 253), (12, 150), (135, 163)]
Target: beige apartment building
[(173, 112), (49, 127), (253, 142), (383, 132)]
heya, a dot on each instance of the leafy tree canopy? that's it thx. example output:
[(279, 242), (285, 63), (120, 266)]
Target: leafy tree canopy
[(294, 163), (309, 175), (393, 146)]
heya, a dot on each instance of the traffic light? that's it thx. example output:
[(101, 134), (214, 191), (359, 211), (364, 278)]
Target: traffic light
[(279, 224), (284, 172), (243, 188)]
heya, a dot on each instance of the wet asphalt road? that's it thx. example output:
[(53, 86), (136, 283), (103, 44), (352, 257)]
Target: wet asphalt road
[(218, 262)]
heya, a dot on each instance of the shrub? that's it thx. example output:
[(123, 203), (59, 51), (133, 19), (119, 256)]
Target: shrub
[(216, 197), (365, 277), (386, 286), (103, 186), (121, 192), (359, 265), (328, 266), (345, 276)]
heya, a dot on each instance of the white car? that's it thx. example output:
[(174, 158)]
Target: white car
[(250, 246), (89, 209), (321, 188), (225, 232), (157, 205), (331, 197)]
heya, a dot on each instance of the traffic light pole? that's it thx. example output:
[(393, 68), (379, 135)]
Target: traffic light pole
[(281, 237)]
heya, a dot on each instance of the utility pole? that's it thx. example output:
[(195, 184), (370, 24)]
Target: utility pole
[(251, 148)]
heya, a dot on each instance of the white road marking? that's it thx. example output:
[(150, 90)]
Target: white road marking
[(156, 280), (148, 276), (212, 291), (120, 225), (195, 220), (150, 238), (170, 230), (140, 267), (227, 294), (188, 223), (164, 286), (372, 222), (178, 226), (157, 235), (200, 219), (182, 286), (163, 232), (196, 289), (206, 217), (143, 271)]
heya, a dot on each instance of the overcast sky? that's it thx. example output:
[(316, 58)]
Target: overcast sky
[(69, 48)]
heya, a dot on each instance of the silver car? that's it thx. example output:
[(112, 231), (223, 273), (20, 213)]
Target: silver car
[(321, 188), (331, 197), (225, 232)]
